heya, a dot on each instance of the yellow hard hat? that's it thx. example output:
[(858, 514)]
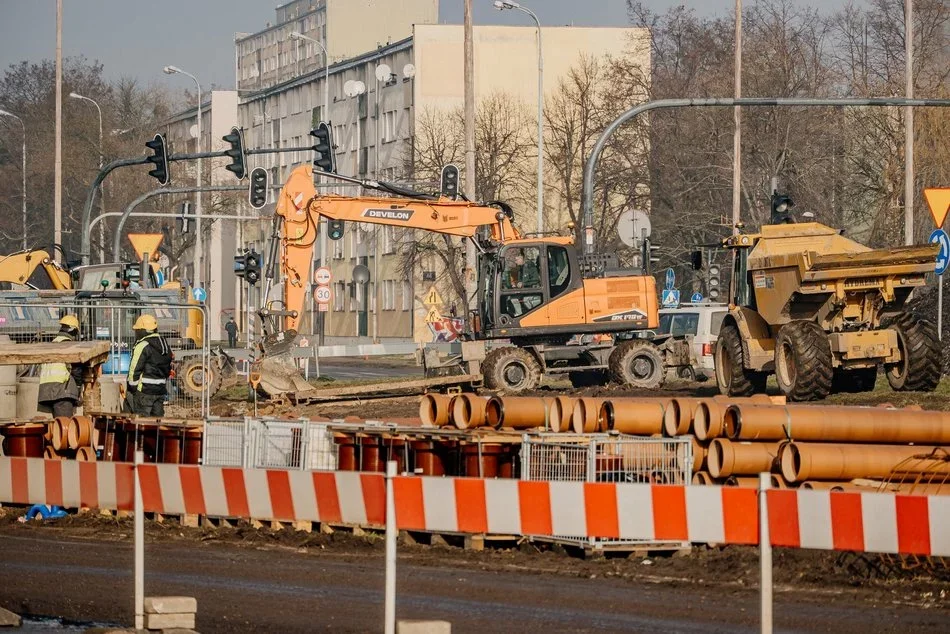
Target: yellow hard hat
[(145, 322), (70, 320)]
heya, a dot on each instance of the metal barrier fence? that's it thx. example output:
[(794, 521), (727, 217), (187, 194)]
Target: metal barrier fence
[(34, 316), (606, 458), (269, 443)]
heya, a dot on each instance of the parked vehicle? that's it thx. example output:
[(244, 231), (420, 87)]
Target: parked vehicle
[(700, 323)]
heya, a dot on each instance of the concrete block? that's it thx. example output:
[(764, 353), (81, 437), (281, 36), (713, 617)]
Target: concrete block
[(423, 627), (169, 621), (171, 605), (9, 619)]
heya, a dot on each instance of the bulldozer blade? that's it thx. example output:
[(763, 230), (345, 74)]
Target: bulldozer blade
[(278, 374)]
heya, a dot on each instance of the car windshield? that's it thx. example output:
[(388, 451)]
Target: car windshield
[(679, 324)]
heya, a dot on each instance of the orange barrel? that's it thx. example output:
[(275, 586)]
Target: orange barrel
[(370, 459), (192, 451), (169, 444), (395, 449), (426, 459), (482, 460), (23, 441), (346, 452)]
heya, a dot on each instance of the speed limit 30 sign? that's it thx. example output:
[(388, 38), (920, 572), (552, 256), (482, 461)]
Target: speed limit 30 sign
[(322, 295)]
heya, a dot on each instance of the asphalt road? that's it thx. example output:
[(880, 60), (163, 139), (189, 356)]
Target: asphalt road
[(253, 589)]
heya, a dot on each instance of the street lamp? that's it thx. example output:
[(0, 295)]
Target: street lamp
[(4, 113), (326, 71), (501, 5), (102, 228), (171, 70)]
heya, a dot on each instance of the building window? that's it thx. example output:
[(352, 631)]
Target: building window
[(356, 295), (371, 292), (389, 295), (389, 126), (388, 239), (339, 291), (406, 296)]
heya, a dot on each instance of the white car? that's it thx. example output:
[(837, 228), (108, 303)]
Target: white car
[(702, 322)]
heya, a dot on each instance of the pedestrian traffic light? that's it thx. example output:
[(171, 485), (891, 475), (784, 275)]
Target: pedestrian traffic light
[(252, 267), (240, 265), (713, 281), (257, 190), (781, 208), (326, 159), (238, 165), (647, 255), (335, 229), (450, 182), (159, 159)]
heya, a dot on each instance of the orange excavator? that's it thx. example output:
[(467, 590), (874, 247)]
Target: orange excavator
[(539, 303)]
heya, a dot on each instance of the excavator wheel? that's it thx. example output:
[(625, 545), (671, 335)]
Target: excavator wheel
[(588, 378), (732, 377), (194, 378), (919, 367), (803, 362), (511, 370), (637, 363), (854, 381)]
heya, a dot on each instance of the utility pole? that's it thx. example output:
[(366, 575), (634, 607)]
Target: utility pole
[(909, 122), (469, 184), (737, 122), (58, 160)]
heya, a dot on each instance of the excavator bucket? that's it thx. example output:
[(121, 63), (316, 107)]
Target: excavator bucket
[(276, 371)]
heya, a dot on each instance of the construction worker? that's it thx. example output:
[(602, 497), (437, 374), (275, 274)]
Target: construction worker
[(61, 385), (149, 369)]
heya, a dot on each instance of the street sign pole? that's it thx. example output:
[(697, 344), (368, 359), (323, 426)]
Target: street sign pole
[(940, 307), (939, 236)]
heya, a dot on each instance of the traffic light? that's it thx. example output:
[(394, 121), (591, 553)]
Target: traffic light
[(334, 229), (159, 159), (713, 281), (240, 265), (781, 209), (450, 181), (184, 222), (257, 190), (647, 255), (252, 267), (238, 164), (326, 159)]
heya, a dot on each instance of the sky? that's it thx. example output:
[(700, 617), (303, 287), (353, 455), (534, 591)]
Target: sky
[(136, 38)]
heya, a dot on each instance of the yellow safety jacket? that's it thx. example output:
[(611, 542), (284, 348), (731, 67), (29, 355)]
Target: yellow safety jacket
[(55, 372)]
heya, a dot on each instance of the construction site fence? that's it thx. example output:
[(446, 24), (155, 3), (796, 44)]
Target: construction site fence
[(876, 522), (35, 319), (268, 443)]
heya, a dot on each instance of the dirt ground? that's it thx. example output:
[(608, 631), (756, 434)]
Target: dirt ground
[(258, 580)]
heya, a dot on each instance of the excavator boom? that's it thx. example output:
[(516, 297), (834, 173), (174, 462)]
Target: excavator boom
[(21, 268)]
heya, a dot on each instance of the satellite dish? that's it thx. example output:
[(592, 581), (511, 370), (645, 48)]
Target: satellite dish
[(361, 274), (409, 70), (348, 88), (359, 87), (193, 131), (383, 71), (633, 226)]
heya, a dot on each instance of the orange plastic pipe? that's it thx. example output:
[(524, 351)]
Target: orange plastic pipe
[(435, 410), (517, 412), (585, 417), (560, 415), (742, 481), (86, 454), (837, 424), (701, 477), (468, 411), (836, 461), (778, 482), (79, 432), (59, 432), (678, 416), (639, 418), (700, 453), (727, 458)]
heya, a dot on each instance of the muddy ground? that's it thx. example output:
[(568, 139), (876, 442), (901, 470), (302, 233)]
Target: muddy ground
[(259, 580)]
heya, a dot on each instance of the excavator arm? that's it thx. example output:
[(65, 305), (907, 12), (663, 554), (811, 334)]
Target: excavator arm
[(20, 268), (301, 208)]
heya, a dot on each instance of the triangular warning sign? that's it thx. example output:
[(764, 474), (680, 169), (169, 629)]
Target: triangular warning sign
[(146, 243), (938, 198)]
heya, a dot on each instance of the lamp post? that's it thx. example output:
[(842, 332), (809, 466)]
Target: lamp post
[(171, 70), (501, 5), (102, 228), (326, 71), (4, 113)]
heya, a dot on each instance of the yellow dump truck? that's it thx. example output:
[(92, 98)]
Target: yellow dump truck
[(823, 313)]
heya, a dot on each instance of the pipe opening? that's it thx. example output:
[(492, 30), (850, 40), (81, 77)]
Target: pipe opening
[(671, 418), (732, 421), (427, 412), (701, 421), (606, 413), (791, 463), (578, 416), (463, 412), (494, 412), (715, 458)]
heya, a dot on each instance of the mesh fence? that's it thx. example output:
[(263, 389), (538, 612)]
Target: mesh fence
[(269, 443), (34, 317)]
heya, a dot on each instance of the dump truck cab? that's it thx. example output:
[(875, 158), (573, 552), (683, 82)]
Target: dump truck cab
[(823, 312)]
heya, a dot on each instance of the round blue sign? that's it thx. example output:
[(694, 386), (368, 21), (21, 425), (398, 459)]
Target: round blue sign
[(943, 258), (199, 294), (670, 279), (696, 298)]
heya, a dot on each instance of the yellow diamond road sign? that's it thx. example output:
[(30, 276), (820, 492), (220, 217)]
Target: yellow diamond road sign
[(432, 297), (938, 198)]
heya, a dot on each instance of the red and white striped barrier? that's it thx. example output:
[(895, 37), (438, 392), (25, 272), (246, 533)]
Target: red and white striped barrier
[(870, 522)]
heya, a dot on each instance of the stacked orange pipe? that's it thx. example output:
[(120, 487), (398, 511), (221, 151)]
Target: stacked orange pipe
[(638, 418), (562, 409), (517, 412), (802, 461), (748, 458)]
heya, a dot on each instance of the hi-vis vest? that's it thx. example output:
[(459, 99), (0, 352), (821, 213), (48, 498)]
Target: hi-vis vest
[(138, 381), (55, 372)]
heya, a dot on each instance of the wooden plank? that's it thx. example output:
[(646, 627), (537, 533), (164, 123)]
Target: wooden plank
[(365, 390), (65, 352)]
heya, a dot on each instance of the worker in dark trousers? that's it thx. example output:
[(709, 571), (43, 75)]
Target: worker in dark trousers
[(61, 385), (232, 329), (149, 369)]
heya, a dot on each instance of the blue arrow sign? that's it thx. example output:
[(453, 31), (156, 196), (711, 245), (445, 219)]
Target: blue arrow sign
[(199, 294), (696, 298), (943, 258), (671, 298), (670, 279)]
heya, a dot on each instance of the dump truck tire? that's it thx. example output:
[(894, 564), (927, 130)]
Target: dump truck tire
[(732, 377), (511, 370), (588, 378), (803, 362), (919, 369), (637, 364), (194, 378), (854, 381)]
